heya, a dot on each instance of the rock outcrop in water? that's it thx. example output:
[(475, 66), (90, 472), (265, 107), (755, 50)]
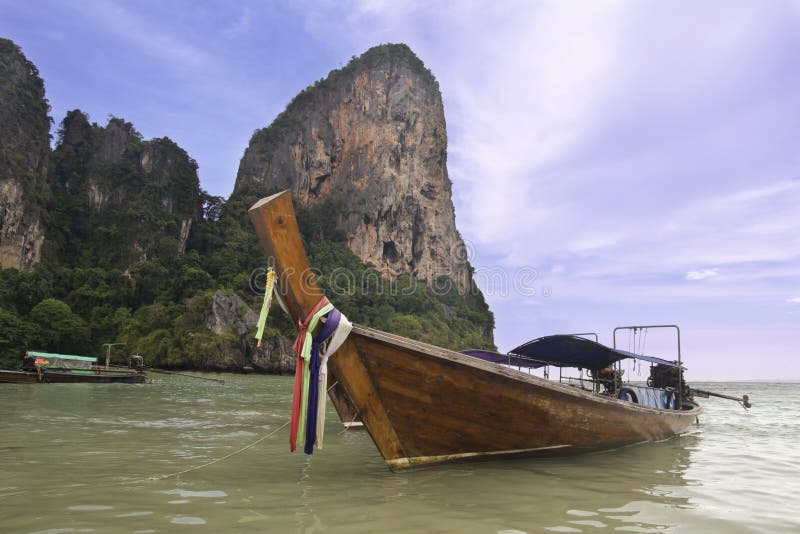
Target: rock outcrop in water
[(372, 135), (231, 316), (24, 149)]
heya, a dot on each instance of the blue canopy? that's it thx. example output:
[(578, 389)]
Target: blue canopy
[(564, 351)]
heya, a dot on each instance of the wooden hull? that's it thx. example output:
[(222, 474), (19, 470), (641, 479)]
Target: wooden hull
[(424, 405), (55, 377), (18, 377)]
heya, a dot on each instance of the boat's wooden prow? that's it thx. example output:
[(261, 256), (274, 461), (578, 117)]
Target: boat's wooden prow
[(276, 225)]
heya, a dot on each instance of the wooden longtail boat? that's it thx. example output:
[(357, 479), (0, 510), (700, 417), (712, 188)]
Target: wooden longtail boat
[(423, 404), (46, 368)]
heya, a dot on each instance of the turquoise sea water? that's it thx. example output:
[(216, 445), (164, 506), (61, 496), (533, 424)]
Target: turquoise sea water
[(72, 457)]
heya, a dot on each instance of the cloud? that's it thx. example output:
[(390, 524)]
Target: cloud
[(520, 100), (622, 142), (702, 274), (521, 84), (793, 300)]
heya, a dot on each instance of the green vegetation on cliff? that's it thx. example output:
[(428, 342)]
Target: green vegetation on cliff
[(24, 151), (117, 199), (404, 306), (159, 308)]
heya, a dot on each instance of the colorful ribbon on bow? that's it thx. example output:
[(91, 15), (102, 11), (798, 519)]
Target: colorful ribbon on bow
[(310, 379), (262, 318), (327, 329), (339, 337), (311, 373)]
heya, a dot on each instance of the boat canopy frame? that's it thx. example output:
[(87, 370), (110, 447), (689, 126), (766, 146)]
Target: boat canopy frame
[(571, 350), (575, 351), (34, 360), (680, 361)]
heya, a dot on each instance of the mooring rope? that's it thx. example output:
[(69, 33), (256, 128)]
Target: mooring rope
[(190, 469), (212, 462), (217, 460)]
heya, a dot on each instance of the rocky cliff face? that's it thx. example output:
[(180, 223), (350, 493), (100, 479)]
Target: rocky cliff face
[(24, 149), (373, 135), (119, 200)]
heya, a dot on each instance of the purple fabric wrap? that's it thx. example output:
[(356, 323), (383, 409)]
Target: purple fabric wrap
[(327, 330)]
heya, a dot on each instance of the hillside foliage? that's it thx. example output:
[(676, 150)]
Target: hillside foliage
[(158, 308)]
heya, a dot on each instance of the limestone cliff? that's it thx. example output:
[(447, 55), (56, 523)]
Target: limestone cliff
[(24, 149), (117, 199), (372, 134)]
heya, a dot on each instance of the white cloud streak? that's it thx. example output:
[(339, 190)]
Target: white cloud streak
[(702, 274)]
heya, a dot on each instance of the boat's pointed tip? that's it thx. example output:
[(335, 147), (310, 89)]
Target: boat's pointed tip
[(267, 200)]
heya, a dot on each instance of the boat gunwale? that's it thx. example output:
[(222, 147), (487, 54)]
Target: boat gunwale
[(433, 351), (87, 377)]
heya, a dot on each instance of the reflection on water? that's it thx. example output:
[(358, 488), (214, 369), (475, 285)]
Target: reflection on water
[(67, 448)]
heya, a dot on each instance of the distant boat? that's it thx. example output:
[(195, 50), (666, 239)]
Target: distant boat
[(47, 368), (423, 404)]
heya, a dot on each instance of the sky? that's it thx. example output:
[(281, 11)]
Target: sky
[(613, 162)]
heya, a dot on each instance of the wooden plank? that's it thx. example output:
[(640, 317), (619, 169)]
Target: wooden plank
[(345, 408)]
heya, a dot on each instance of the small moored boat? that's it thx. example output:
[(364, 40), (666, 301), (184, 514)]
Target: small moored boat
[(47, 368)]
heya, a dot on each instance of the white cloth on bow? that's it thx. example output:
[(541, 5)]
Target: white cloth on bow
[(336, 340)]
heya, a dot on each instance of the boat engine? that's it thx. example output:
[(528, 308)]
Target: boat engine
[(664, 376), (136, 362), (610, 378)]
